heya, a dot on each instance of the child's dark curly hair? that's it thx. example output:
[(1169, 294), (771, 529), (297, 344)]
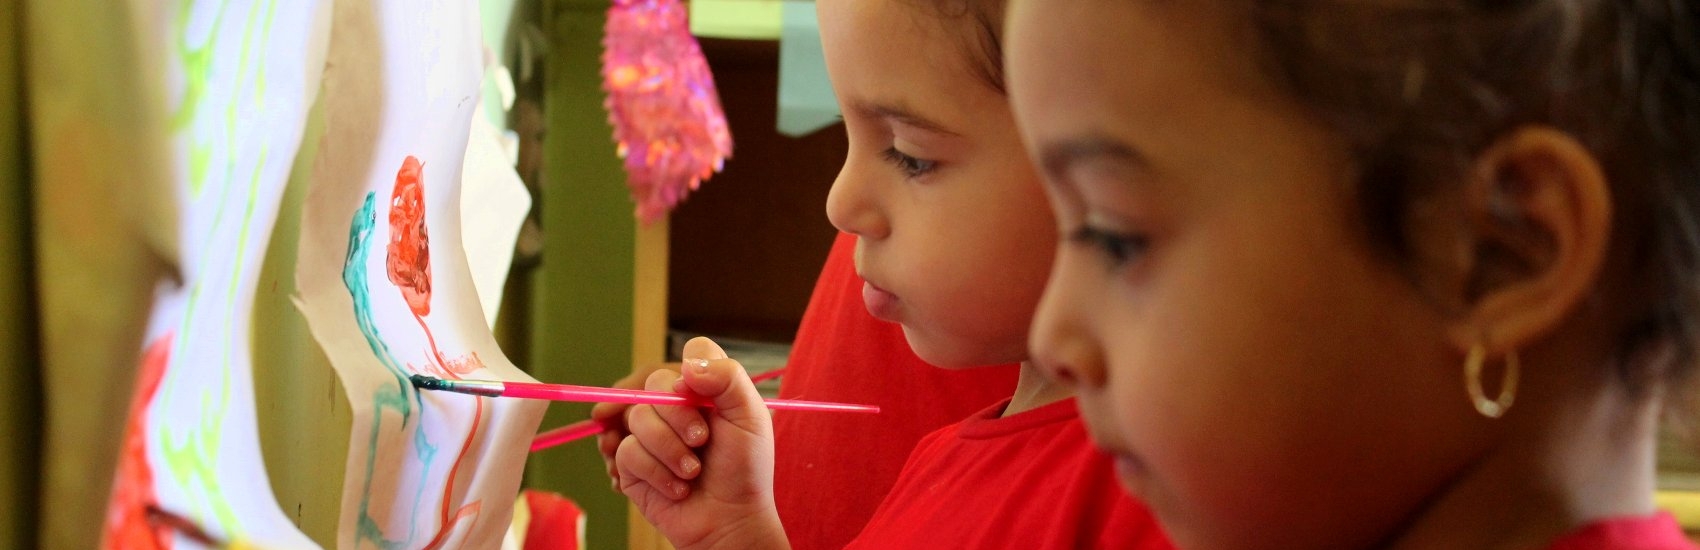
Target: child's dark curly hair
[(1419, 87)]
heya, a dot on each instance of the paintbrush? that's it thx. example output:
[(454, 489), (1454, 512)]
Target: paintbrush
[(566, 434), (586, 428), (188, 529), (593, 394)]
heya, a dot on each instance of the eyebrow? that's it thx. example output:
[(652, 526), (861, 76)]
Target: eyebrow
[(1056, 158), (902, 114)]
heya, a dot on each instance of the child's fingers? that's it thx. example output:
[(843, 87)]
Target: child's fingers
[(608, 443), (735, 398), (662, 441), (612, 416), (639, 468), (701, 348), (688, 422)]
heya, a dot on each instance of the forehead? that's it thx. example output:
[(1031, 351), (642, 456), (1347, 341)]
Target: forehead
[(1128, 45), (1142, 62), (900, 51)]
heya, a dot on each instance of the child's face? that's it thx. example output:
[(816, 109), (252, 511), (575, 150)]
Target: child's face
[(1262, 376), (955, 240)]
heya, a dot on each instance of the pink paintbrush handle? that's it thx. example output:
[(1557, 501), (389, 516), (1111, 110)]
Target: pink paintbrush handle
[(592, 394), (566, 434), (586, 428), (818, 406)]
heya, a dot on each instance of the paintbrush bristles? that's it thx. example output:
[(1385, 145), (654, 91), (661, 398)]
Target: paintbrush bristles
[(427, 382), (483, 388)]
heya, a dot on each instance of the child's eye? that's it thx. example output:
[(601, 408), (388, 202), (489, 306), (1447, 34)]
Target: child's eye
[(1119, 248), (912, 167)]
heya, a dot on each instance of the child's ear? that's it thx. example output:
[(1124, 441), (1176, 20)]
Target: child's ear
[(1538, 214)]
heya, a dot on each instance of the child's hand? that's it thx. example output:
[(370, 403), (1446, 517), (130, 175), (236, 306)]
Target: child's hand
[(704, 477), (612, 417)]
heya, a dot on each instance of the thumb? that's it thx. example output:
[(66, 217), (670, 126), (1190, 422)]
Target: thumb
[(710, 374)]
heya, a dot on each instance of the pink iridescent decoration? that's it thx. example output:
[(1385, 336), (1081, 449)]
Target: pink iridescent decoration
[(662, 103)]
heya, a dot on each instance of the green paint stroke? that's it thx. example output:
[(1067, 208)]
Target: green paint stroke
[(197, 72), (354, 278), (192, 457)]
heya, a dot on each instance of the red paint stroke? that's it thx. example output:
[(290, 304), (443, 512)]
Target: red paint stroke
[(447, 367), (128, 521), (409, 249), (464, 364), (451, 369), (450, 518), (409, 262)]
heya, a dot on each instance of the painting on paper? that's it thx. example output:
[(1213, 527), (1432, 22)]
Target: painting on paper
[(239, 77), (386, 288)]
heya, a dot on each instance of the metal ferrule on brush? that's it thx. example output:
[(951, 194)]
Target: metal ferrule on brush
[(475, 387)]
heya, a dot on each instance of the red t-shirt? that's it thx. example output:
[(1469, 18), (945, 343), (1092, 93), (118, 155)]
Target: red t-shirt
[(1656, 532), (832, 470), (1029, 481)]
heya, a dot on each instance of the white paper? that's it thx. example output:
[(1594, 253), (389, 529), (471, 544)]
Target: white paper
[(424, 469), (493, 205), (239, 78)]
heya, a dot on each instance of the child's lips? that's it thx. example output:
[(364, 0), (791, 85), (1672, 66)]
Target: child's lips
[(881, 304), (1131, 471), (1128, 467)]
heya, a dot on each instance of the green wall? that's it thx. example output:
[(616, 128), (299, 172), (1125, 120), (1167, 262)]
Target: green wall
[(582, 308)]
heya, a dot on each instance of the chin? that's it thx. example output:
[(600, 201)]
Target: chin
[(949, 353)]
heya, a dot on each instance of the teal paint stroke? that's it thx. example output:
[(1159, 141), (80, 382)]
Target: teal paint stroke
[(354, 278)]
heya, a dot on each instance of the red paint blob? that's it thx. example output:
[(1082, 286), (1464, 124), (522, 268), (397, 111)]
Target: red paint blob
[(409, 251), (127, 522), (409, 263)]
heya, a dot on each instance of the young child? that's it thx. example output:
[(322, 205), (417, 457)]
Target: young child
[(1392, 274), (841, 466), (954, 246)]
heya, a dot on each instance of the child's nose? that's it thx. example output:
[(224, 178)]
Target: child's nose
[(1059, 343), (1064, 363), (852, 204)]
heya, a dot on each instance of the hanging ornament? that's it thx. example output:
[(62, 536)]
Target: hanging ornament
[(668, 125)]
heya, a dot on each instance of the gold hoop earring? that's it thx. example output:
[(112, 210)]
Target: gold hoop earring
[(1496, 407)]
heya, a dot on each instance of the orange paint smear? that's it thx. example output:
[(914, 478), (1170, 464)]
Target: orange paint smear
[(127, 521), (464, 364), (450, 518), (409, 257), (451, 369)]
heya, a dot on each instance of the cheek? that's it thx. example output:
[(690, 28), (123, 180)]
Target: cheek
[(1243, 374), (982, 299), (981, 264), (1008, 260)]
